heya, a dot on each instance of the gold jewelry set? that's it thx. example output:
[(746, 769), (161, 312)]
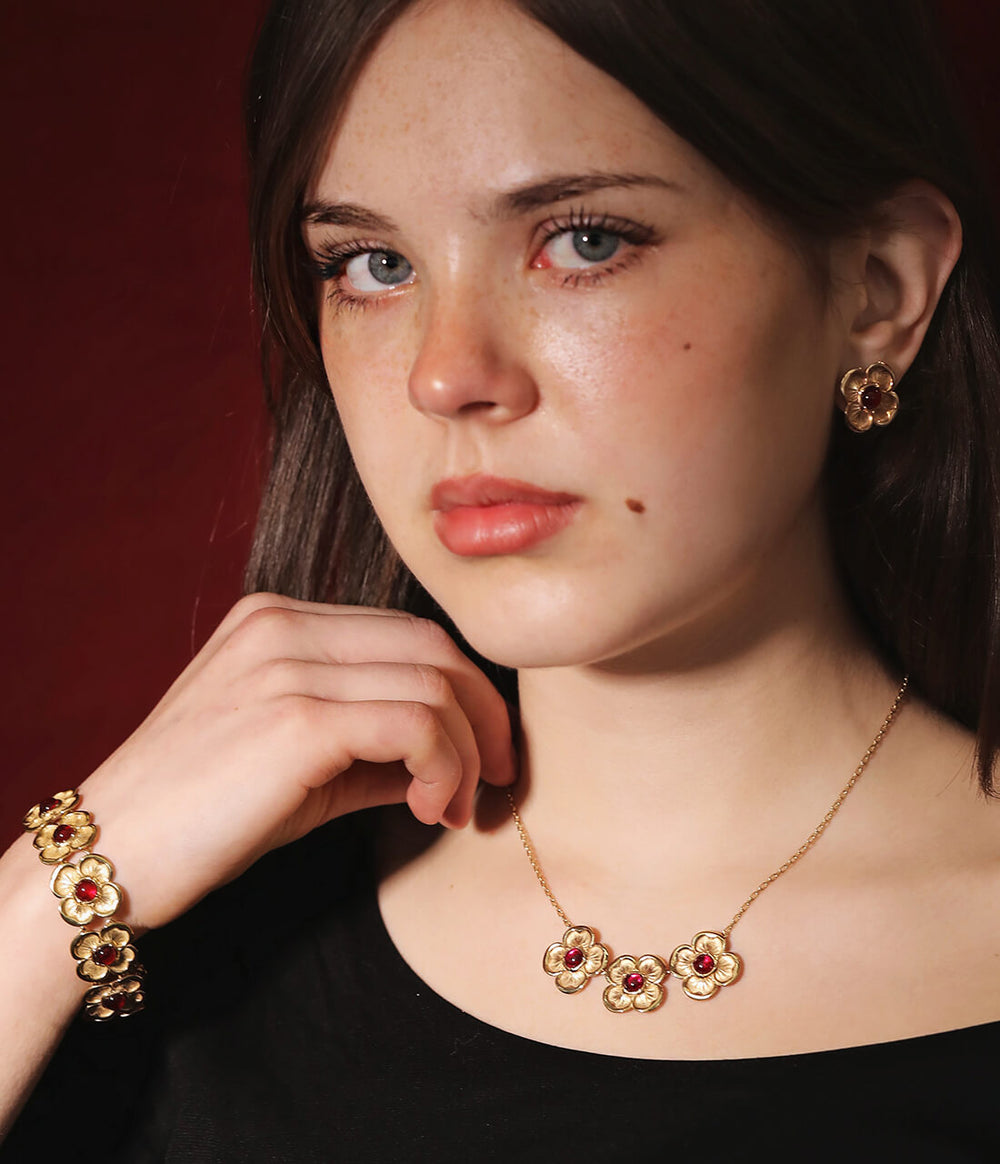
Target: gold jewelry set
[(106, 957), (88, 895), (704, 965)]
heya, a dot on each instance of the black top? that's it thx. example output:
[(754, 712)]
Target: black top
[(280, 1032)]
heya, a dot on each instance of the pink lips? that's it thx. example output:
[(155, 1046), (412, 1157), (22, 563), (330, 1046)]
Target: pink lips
[(480, 515)]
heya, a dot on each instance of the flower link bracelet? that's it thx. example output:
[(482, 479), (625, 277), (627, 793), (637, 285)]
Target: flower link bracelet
[(87, 893)]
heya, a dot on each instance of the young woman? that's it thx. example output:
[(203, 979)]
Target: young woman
[(635, 377)]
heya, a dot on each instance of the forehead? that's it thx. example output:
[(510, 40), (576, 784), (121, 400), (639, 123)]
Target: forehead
[(462, 97)]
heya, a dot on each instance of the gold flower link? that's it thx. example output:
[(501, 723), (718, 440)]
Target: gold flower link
[(47, 810), (87, 890), (705, 965), (576, 959), (636, 984), (66, 834), (116, 999), (105, 954), (867, 397)]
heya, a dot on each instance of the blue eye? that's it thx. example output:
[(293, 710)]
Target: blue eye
[(596, 246), (581, 241), (383, 268)]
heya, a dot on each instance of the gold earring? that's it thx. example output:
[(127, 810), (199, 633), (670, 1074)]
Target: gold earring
[(866, 396)]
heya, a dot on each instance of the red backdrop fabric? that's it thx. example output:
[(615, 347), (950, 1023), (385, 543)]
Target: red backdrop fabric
[(133, 418), (133, 424)]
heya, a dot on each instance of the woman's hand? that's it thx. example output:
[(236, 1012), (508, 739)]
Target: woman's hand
[(292, 714)]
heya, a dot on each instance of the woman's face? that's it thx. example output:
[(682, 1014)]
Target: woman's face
[(641, 342)]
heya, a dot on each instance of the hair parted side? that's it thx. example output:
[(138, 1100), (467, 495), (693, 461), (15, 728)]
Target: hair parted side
[(767, 93)]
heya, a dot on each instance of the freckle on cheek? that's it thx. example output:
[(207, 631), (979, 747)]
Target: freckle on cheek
[(635, 506), (687, 347)]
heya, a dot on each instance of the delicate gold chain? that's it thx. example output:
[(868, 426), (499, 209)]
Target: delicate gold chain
[(529, 849), (806, 845)]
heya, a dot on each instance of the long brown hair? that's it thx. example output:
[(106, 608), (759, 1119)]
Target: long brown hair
[(818, 109)]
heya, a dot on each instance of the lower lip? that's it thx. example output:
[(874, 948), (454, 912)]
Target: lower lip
[(480, 530)]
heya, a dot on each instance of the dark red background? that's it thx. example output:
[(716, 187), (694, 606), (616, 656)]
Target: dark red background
[(132, 420)]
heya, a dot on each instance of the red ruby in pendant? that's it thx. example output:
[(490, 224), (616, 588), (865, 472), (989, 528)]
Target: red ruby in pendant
[(105, 955), (573, 958), (86, 890), (48, 805), (634, 982), (871, 398), (116, 1001), (704, 964), (63, 833)]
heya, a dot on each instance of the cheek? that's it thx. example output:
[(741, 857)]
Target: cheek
[(712, 411), (367, 368)]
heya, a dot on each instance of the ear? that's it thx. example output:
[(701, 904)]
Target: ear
[(909, 254)]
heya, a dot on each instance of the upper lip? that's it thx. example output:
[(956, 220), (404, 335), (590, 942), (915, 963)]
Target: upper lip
[(481, 489)]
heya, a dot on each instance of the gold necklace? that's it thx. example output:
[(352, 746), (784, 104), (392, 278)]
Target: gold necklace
[(703, 965)]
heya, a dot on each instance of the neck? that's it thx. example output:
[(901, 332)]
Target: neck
[(737, 732)]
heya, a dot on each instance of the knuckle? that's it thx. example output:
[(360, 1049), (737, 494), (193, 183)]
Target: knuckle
[(432, 683), (419, 719), (433, 634), (265, 623), (258, 600), (294, 714)]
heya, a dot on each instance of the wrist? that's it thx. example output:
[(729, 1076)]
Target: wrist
[(88, 900)]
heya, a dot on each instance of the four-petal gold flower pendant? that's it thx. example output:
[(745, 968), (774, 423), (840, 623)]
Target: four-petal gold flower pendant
[(575, 960), (638, 984), (867, 396), (705, 965)]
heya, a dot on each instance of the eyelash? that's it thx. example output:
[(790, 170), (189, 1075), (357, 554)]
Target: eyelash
[(330, 260)]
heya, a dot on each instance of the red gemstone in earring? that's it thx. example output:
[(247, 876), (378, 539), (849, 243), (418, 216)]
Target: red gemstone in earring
[(871, 398), (573, 958), (105, 955), (63, 833), (633, 982), (704, 964), (48, 805)]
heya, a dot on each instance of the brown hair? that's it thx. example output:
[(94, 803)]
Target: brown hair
[(818, 109)]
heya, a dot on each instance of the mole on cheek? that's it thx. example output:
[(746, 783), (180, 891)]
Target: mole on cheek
[(687, 347), (635, 506)]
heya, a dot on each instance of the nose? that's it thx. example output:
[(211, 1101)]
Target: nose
[(469, 362)]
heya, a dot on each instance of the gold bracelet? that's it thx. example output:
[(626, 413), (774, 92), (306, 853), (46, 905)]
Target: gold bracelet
[(87, 892)]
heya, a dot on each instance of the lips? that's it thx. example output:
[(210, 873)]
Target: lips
[(481, 490), (482, 515)]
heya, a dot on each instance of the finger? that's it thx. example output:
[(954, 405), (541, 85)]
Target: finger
[(406, 682), (253, 605), (382, 732), (250, 604), (364, 636), (365, 785)]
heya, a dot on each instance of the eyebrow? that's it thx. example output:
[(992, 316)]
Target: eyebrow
[(509, 204)]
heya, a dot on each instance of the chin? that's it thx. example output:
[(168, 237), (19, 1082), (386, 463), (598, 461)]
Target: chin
[(551, 629)]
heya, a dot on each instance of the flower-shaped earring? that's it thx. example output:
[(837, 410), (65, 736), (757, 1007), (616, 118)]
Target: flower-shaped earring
[(866, 396)]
